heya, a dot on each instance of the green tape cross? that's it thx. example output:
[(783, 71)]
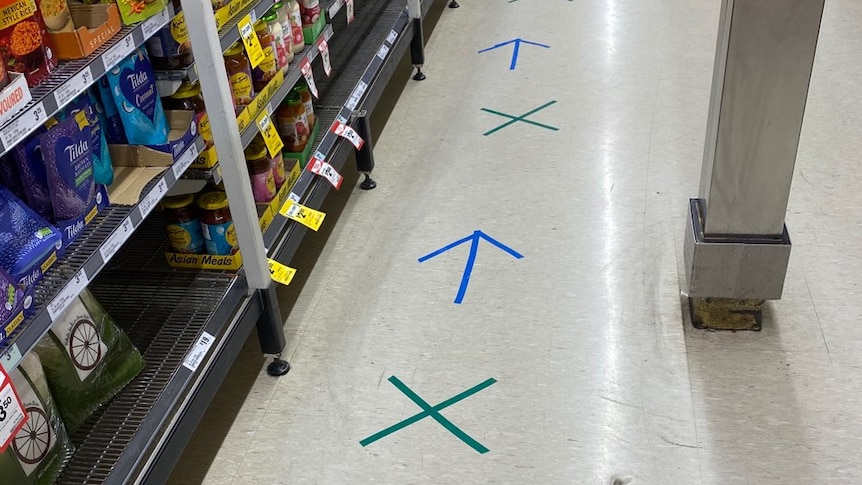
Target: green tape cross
[(433, 412), (523, 117)]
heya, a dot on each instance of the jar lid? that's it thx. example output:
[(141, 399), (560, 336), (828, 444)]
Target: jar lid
[(293, 98), (213, 201), (234, 49), (270, 16), (177, 201), (260, 26), (255, 151), (301, 88), (278, 6), (187, 90)]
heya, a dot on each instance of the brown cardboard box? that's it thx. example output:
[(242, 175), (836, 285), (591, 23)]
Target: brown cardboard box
[(93, 26)]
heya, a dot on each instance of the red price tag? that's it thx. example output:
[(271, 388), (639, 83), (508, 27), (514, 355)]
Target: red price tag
[(350, 16), (348, 134), (12, 415), (325, 170), (309, 77), (323, 47)]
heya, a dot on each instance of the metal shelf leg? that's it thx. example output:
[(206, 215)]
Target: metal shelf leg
[(365, 156), (270, 332)]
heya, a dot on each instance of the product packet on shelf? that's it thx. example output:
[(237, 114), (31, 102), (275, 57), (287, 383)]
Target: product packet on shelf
[(87, 359), (133, 85), (34, 178), (40, 449), (106, 107), (10, 177), (103, 172), (24, 40), (28, 243), (11, 305)]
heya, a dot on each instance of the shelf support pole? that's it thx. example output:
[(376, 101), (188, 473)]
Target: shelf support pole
[(736, 244), (417, 43), (365, 156)]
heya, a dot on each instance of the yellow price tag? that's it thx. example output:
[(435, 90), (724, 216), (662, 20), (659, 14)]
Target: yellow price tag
[(249, 39), (309, 218), (270, 135), (280, 273)]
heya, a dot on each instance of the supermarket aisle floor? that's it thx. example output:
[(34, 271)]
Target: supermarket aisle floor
[(596, 376)]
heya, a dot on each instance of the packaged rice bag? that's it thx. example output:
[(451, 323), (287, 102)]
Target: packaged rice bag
[(68, 155), (40, 449), (87, 358), (103, 171), (10, 177), (11, 298), (107, 108), (34, 178), (25, 238), (134, 87)]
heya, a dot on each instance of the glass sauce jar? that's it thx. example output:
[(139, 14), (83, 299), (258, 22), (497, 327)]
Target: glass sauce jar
[(271, 19), (189, 98), (296, 25), (268, 67), (239, 73), (260, 172), (307, 101), (217, 225), (293, 123), (287, 31), (184, 228)]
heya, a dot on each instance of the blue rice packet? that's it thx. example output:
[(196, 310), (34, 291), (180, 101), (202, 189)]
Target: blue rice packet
[(10, 177), (106, 108), (34, 178), (134, 87), (103, 171), (25, 238), (68, 155)]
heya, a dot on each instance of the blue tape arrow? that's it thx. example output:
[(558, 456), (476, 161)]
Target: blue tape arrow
[(474, 248), (517, 41)]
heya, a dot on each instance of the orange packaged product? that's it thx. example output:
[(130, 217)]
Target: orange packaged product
[(24, 40)]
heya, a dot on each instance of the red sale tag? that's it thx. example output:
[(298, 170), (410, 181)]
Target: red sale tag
[(350, 16), (348, 134), (325, 170), (12, 415), (323, 47), (309, 77)]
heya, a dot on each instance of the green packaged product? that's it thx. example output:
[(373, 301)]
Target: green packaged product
[(87, 359), (41, 447)]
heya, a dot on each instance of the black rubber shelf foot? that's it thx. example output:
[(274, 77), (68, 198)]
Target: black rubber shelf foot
[(453, 4), (419, 76), (368, 183), (278, 367)]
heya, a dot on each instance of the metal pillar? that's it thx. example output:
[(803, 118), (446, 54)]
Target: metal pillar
[(736, 245), (365, 156)]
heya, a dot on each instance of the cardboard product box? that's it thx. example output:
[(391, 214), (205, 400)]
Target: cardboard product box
[(224, 14), (134, 11), (14, 97), (92, 26), (311, 32)]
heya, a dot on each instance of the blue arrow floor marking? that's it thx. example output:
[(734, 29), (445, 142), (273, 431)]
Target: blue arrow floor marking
[(474, 249), (517, 49)]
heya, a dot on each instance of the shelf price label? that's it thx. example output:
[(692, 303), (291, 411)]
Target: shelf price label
[(250, 41), (270, 135), (309, 218), (323, 47), (391, 37), (199, 351), (117, 239), (154, 23), (118, 52), (305, 67), (381, 53), (280, 273), (12, 415), (11, 357), (185, 160), (147, 204), (23, 125), (74, 86), (356, 95), (325, 170), (64, 298), (348, 133), (350, 16)]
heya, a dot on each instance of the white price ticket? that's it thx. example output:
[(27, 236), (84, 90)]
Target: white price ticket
[(149, 202), (116, 240), (348, 133), (381, 53), (305, 67), (186, 159), (11, 357), (154, 23), (356, 95), (12, 415), (327, 171), (74, 86), (118, 52), (23, 125), (199, 351), (324, 56), (350, 16), (391, 37), (73, 288)]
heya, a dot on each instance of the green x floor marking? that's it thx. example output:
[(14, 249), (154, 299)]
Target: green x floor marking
[(523, 117), (433, 412)]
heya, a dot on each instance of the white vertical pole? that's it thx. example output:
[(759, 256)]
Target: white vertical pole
[(414, 8), (214, 84)]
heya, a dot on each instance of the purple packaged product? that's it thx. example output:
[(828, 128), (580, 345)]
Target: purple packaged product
[(10, 177), (107, 107), (103, 172), (34, 178), (25, 238), (11, 298), (69, 164)]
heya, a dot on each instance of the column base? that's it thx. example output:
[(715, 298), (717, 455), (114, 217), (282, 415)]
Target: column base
[(726, 314), (736, 267)]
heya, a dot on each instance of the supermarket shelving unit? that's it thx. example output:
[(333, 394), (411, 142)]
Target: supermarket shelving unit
[(189, 325)]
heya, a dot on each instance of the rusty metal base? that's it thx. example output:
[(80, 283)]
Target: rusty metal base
[(726, 314)]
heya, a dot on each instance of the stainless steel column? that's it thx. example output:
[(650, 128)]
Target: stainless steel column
[(736, 245)]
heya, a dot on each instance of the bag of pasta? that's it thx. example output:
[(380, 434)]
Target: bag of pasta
[(87, 359), (41, 447)]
